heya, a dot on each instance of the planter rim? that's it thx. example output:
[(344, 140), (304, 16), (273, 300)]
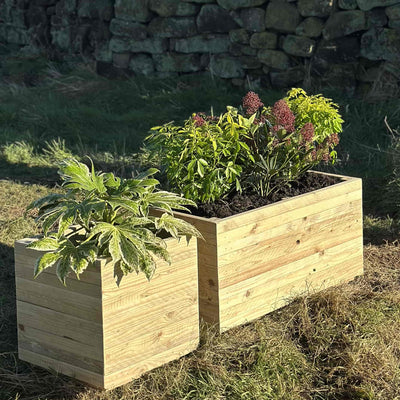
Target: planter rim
[(345, 179)]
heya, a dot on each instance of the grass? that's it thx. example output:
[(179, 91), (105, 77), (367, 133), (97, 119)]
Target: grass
[(343, 343)]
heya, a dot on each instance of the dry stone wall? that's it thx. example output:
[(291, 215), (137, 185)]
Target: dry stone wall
[(353, 44)]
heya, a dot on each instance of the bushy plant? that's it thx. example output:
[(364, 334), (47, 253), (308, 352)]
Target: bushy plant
[(204, 158), (101, 215), (253, 148)]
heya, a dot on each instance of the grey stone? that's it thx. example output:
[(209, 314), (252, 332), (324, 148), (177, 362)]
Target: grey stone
[(348, 4), (61, 36), (169, 8), (249, 62), (310, 27), (235, 4), (173, 27), (133, 10), (203, 44), (17, 17), (287, 78), (344, 23), (239, 36), (344, 50), (235, 49), (65, 7), (247, 50), (393, 14), (103, 53), (226, 66), (368, 74), (213, 18), (121, 60), (170, 62), (141, 64), (376, 17), (253, 19), (281, 16), (366, 5), (341, 76), (17, 35), (199, 1), (264, 40), (274, 58), (299, 46), (99, 9), (315, 8), (149, 45), (135, 30), (381, 44)]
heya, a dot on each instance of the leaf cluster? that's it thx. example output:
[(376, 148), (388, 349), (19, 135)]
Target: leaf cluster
[(101, 215), (203, 162), (209, 157)]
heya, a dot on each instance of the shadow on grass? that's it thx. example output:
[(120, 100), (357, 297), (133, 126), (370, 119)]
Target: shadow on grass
[(18, 379), (24, 173)]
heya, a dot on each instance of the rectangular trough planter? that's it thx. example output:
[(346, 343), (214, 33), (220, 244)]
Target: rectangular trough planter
[(252, 263), (103, 334)]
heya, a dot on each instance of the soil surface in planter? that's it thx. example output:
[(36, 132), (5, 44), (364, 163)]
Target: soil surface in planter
[(237, 203)]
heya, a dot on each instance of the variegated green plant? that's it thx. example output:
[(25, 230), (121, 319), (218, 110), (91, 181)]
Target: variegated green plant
[(100, 215)]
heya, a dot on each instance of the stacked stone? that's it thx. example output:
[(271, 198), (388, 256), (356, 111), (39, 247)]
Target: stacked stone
[(69, 26), (283, 42), (343, 43)]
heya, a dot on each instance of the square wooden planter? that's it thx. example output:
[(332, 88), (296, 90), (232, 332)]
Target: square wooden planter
[(252, 263), (103, 334)]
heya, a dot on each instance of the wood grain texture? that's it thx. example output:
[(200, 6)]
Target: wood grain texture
[(103, 334), (254, 262)]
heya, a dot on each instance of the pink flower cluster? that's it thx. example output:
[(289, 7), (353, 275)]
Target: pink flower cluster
[(333, 140), (307, 132), (251, 103), (283, 115), (198, 120)]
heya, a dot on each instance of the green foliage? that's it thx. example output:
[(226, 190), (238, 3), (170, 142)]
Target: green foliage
[(318, 110), (101, 215), (254, 148), (204, 158)]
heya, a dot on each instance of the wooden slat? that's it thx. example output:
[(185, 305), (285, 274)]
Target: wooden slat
[(282, 274), (270, 301), (308, 214), (283, 206), (73, 371), (27, 257), (60, 324), (269, 253), (59, 299), (25, 271), (133, 349), (134, 371)]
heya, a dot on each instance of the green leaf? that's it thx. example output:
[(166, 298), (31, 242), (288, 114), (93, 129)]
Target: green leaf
[(45, 244), (62, 269), (45, 261)]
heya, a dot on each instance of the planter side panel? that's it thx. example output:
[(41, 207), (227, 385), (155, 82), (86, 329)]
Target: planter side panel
[(147, 324), (299, 245), (59, 327)]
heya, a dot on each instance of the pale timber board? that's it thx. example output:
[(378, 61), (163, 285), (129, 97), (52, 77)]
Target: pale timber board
[(318, 237), (57, 299), (273, 252), (307, 214), (163, 313), (283, 274), (132, 372), (268, 302), (286, 205), (44, 338), (60, 324), (81, 374), (293, 227), (134, 349), (27, 257)]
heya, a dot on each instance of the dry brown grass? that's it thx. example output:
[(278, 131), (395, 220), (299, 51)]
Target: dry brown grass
[(343, 343)]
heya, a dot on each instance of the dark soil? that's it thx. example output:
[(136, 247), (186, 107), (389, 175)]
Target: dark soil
[(237, 203)]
